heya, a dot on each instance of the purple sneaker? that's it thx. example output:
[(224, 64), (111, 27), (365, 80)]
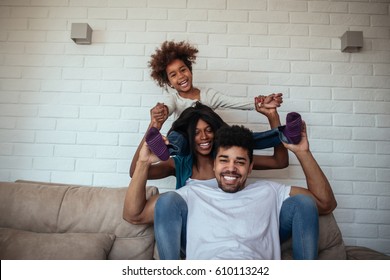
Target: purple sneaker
[(156, 144), (293, 128)]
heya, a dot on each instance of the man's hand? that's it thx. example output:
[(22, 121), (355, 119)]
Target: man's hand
[(302, 146), (146, 155), (158, 115)]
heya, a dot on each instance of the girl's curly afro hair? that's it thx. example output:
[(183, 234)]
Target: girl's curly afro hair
[(168, 52)]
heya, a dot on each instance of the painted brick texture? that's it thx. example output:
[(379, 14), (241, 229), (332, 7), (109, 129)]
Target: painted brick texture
[(75, 114)]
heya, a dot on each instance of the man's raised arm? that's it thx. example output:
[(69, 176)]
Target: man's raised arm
[(317, 184), (136, 209)]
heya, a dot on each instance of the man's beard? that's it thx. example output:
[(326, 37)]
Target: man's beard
[(231, 188)]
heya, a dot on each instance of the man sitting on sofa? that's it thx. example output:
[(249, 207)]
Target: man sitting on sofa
[(228, 219)]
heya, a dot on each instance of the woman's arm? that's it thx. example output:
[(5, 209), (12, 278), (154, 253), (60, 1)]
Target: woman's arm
[(279, 159)]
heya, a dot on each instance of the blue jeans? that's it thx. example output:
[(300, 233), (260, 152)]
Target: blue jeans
[(298, 218), (178, 144), (170, 226)]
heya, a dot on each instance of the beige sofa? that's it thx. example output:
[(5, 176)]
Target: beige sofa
[(58, 221)]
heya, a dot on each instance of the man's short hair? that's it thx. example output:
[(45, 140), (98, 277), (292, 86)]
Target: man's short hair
[(235, 135)]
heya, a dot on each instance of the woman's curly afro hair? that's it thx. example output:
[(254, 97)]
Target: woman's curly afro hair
[(168, 52)]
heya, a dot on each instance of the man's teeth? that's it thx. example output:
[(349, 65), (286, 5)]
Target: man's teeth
[(229, 178)]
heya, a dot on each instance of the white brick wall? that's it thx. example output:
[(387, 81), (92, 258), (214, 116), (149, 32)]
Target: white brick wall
[(75, 114)]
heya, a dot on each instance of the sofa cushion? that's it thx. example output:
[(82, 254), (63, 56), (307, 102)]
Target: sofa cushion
[(331, 244), (330, 241), (97, 209), (31, 207), (134, 248), (363, 253), (18, 244), (83, 208)]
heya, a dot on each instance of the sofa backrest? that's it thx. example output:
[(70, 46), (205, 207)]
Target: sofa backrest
[(60, 208)]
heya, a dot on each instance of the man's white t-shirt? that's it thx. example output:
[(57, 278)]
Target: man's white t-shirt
[(241, 225)]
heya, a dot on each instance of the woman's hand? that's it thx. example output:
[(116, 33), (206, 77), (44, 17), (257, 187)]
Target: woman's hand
[(273, 100), (158, 115)]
